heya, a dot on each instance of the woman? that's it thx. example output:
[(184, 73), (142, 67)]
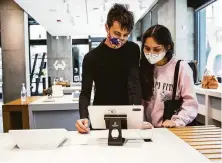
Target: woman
[(157, 67)]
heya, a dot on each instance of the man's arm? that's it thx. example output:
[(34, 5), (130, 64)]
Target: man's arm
[(133, 80), (87, 80)]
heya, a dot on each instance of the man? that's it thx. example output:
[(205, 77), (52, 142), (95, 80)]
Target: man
[(112, 66)]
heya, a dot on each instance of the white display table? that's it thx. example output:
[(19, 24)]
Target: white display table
[(60, 113), (209, 103), (165, 147)]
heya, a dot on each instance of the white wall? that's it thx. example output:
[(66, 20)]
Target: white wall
[(166, 15), (184, 29), (136, 33), (146, 23), (179, 19)]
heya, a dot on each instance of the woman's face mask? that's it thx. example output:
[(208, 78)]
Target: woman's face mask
[(154, 58), (154, 52)]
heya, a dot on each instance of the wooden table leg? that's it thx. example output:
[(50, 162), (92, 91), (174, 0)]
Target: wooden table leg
[(16, 114), (6, 121), (25, 118)]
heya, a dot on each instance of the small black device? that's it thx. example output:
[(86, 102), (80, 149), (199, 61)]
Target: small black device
[(115, 123)]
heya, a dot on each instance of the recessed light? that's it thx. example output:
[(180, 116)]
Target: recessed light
[(52, 10), (95, 8)]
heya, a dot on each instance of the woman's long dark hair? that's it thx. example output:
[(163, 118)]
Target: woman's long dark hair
[(162, 36)]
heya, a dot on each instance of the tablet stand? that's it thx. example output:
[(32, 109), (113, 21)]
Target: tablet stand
[(115, 123)]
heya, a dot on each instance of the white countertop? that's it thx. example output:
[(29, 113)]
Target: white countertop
[(66, 99), (72, 88), (65, 102), (210, 92), (75, 83), (166, 147)]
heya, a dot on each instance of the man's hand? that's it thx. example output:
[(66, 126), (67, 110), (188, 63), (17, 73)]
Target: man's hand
[(169, 124), (82, 125), (147, 125)]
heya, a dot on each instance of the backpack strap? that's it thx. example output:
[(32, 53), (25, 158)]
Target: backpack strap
[(175, 82)]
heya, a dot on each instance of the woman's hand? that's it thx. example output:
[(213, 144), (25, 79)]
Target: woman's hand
[(147, 125), (169, 124)]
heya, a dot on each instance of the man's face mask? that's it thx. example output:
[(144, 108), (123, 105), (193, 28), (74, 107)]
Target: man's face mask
[(116, 42)]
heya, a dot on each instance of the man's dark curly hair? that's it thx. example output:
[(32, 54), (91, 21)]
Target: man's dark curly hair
[(120, 13)]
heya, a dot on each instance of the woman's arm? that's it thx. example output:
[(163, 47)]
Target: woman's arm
[(189, 106)]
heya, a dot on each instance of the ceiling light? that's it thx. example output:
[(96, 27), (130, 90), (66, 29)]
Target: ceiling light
[(142, 7), (72, 20), (52, 10), (67, 8), (57, 37), (95, 8)]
